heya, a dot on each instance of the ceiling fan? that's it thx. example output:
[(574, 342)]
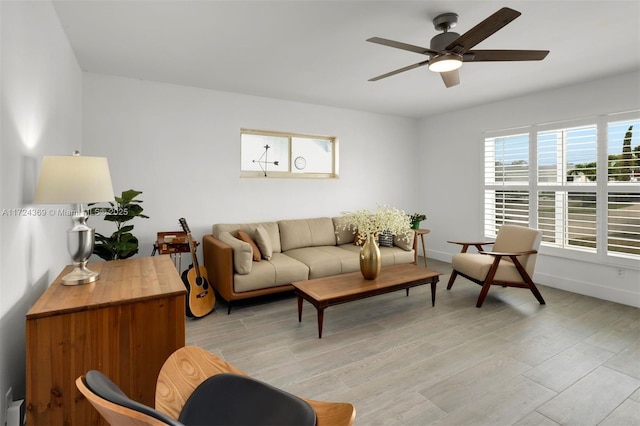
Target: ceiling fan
[(448, 50)]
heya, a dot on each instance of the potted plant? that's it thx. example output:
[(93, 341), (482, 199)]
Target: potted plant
[(367, 226), (122, 244), (415, 220)]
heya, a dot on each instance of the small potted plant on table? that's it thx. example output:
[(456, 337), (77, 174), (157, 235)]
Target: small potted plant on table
[(415, 220)]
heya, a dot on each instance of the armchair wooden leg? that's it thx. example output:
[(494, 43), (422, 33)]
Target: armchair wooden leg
[(534, 290), (483, 293), (527, 279), (537, 294), (452, 278)]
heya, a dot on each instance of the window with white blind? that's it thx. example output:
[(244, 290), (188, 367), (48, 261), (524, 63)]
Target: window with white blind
[(578, 182)]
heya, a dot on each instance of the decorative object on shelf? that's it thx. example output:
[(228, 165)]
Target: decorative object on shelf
[(368, 226), (78, 180), (122, 244), (415, 220), (262, 161)]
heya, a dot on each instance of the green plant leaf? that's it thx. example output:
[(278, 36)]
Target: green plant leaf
[(127, 228), (122, 243), (130, 194)]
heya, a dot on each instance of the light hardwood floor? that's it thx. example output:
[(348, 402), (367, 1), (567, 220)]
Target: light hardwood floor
[(574, 361)]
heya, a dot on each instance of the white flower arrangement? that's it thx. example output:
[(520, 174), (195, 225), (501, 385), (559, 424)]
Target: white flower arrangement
[(385, 218)]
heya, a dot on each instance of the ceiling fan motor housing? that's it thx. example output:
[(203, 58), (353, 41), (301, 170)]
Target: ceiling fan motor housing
[(440, 41)]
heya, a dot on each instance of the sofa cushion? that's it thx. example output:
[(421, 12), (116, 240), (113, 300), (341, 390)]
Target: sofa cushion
[(249, 228), (297, 233), (395, 256), (264, 242), (326, 260), (242, 253), (255, 251), (280, 270), (390, 255)]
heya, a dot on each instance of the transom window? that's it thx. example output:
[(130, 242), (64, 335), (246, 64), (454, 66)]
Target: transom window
[(578, 182), (277, 154)]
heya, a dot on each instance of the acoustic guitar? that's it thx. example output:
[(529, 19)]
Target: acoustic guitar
[(201, 298)]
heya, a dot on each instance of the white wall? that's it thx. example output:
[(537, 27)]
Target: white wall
[(40, 115), (452, 147), (181, 147)]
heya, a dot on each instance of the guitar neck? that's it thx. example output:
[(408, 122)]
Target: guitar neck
[(192, 245), (194, 256)]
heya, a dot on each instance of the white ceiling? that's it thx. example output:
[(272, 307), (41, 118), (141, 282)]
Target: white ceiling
[(315, 51)]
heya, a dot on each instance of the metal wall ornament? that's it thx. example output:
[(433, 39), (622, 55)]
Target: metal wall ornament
[(263, 160)]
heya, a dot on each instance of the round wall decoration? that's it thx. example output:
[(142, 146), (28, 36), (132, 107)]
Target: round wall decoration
[(300, 163)]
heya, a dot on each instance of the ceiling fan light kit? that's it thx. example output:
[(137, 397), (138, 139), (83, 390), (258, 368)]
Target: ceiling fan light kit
[(445, 62), (448, 50)]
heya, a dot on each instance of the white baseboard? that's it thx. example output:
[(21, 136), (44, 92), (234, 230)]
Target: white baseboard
[(590, 289)]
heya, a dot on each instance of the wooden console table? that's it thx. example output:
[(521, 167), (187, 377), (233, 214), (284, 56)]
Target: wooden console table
[(126, 325)]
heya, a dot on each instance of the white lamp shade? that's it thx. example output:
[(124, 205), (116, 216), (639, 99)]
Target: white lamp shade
[(74, 179)]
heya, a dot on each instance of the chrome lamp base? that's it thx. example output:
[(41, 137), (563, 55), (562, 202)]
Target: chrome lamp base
[(80, 275), (80, 242)]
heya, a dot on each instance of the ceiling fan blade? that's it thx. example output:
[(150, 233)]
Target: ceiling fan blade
[(483, 30), (451, 78), (398, 71), (403, 46), (504, 55)]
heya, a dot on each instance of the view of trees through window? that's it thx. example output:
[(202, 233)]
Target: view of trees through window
[(583, 190)]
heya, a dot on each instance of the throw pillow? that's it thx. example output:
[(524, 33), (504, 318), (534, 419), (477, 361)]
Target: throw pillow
[(358, 240), (241, 235), (404, 240), (385, 239), (242, 255), (264, 242)]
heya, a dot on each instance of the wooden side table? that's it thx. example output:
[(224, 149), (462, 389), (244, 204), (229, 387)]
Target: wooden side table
[(420, 233), (173, 243), (126, 325)]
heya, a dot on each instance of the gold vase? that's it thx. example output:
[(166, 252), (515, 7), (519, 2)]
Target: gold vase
[(370, 260)]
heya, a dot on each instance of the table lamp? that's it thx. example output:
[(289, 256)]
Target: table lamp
[(78, 180)]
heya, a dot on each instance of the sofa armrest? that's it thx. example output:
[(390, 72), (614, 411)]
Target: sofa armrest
[(218, 261)]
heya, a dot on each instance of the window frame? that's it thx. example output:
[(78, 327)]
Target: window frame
[(601, 187), (290, 161)]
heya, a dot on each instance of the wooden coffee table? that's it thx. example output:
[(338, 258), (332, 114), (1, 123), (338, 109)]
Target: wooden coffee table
[(336, 289)]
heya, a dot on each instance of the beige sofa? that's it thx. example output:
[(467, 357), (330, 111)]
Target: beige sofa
[(288, 251)]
